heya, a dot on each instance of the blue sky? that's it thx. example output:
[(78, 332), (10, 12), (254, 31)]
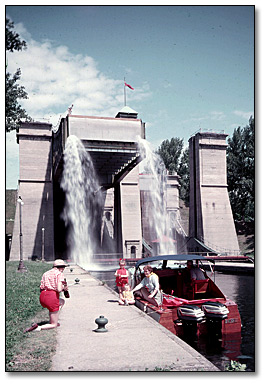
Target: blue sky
[(191, 67)]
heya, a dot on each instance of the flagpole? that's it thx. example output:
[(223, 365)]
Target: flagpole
[(125, 98)]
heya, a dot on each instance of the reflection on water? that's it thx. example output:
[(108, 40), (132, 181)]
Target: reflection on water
[(239, 288), (107, 276), (243, 293)]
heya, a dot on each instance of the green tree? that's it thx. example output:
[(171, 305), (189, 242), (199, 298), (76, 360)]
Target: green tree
[(13, 41), (183, 173), (170, 152), (175, 160), (14, 92), (241, 172)]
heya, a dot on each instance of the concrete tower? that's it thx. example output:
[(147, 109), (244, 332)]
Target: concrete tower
[(210, 217), (35, 189)]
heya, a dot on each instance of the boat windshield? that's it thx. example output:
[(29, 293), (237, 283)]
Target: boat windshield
[(157, 264), (172, 264), (173, 277)]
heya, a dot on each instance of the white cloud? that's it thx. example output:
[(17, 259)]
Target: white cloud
[(245, 115), (195, 119), (54, 78), (214, 115)]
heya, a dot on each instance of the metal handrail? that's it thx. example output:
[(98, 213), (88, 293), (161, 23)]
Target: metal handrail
[(219, 249), (178, 226), (204, 130)]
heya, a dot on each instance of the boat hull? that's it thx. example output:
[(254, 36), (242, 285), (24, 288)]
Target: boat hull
[(168, 318), (191, 308)]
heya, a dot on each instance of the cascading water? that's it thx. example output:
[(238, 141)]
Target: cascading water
[(82, 213), (158, 219)]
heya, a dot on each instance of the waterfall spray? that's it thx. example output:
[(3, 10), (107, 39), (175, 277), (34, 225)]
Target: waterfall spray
[(83, 206), (158, 219)]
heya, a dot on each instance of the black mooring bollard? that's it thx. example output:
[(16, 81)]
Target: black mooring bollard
[(101, 321)]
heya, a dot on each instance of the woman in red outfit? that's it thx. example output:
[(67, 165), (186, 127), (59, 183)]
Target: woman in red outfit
[(121, 276), (52, 283)]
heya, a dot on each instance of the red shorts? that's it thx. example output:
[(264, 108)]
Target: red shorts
[(49, 299)]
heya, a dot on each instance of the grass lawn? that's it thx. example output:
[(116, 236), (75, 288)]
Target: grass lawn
[(26, 351)]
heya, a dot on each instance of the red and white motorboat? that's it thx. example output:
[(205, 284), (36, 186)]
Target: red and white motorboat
[(200, 308)]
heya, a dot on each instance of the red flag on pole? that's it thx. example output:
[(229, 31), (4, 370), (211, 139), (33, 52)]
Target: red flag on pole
[(126, 84)]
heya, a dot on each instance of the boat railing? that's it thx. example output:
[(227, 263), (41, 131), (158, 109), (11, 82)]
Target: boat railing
[(220, 258)]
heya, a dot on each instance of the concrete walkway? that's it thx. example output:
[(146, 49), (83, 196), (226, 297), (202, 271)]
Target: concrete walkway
[(134, 341)]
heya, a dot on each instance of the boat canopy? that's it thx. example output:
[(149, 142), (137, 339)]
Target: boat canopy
[(176, 257)]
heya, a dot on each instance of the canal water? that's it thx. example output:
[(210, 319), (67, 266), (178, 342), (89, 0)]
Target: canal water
[(241, 289)]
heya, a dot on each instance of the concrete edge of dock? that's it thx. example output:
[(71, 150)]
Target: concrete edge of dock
[(129, 347)]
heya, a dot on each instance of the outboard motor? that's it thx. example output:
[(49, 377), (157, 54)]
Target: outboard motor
[(215, 311), (190, 313)]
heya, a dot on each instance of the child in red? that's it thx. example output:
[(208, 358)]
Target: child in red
[(121, 276)]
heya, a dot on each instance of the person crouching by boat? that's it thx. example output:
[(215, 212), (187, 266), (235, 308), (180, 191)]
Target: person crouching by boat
[(148, 288), (126, 297), (121, 276), (52, 283)]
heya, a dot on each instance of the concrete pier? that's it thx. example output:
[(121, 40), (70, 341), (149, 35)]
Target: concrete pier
[(134, 341)]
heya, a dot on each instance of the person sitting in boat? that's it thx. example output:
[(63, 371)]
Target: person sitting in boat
[(187, 280), (121, 276), (187, 271), (196, 273), (148, 288), (126, 297), (189, 274)]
